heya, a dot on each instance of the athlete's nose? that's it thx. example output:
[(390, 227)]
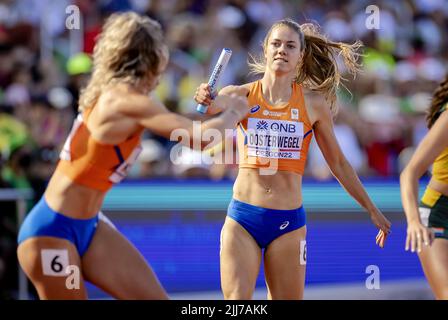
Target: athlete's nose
[(281, 50)]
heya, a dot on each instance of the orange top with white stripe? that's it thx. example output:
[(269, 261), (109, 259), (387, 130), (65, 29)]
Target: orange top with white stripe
[(275, 138), (93, 164)]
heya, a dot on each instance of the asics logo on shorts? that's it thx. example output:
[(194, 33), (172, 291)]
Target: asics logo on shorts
[(284, 225)]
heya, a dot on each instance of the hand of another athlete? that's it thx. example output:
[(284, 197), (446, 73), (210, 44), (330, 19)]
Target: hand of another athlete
[(203, 94), (381, 222), (417, 235)]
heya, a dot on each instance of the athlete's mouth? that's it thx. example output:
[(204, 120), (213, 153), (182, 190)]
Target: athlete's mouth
[(281, 59)]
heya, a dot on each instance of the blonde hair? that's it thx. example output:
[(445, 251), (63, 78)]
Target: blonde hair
[(128, 50), (318, 69)]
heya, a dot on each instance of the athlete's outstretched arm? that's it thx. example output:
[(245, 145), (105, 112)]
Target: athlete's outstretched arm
[(341, 168), (429, 148), (203, 96), (153, 115)]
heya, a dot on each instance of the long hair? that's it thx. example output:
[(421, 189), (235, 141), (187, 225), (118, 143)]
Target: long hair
[(439, 99), (318, 69), (128, 50)]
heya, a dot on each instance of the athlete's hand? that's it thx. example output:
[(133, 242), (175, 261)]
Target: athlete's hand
[(203, 94), (417, 235), (233, 103), (381, 222)]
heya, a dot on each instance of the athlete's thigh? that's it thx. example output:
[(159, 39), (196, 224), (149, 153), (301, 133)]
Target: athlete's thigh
[(285, 265), (434, 261), (240, 259), (54, 267), (115, 265)]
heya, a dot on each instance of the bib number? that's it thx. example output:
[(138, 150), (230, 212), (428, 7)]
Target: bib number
[(54, 262)]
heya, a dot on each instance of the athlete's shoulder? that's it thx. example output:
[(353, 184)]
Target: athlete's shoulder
[(313, 98), (132, 104), (316, 106)]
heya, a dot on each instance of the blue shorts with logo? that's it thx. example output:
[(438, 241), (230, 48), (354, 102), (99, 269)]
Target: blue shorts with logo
[(44, 221), (266, 225)]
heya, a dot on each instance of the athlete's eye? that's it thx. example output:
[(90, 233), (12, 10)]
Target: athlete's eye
[(275, 44), (290, 46)]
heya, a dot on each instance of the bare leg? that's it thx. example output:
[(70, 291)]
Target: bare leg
[(434, 261), (51, 286), (240, 261), (114, 264), (285, 276)]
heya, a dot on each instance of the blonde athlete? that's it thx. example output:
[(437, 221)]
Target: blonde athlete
[(66, 234), (266, 211), (427, 231)]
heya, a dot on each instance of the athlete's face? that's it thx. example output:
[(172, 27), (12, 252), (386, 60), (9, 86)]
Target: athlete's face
[(283, 51)]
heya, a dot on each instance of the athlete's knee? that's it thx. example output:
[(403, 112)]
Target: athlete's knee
[(442, 293), (28, 261), (238, 293), (286, 294), (151, 296), (151, 293)]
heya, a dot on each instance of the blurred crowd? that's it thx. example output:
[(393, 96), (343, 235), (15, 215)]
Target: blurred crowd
[(44, 63)]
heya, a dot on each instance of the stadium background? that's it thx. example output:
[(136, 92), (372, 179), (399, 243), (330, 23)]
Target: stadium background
[(173, 213)]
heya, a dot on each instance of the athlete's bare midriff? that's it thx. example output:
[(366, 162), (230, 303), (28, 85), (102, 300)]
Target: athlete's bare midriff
[(282, 190), (71, 199), (438, 186)]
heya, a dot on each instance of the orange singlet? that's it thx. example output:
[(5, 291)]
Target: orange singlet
[(93, 164), (276, 138)]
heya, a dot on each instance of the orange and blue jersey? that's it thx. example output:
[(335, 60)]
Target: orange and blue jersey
[(93, 164), (275, 137), (89, 163)]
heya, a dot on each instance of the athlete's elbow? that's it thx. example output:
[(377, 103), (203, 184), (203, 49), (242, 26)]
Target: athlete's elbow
[(406, 175), (339, 165)]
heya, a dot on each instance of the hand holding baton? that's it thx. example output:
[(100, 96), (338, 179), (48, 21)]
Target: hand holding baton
[(216, 74)]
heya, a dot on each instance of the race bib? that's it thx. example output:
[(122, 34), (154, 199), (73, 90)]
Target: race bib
[(275, 139)]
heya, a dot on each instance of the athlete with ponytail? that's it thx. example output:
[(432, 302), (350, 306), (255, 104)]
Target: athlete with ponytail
[(427, 231), (266, 211)]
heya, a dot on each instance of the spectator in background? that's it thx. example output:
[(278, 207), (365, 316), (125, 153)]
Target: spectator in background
[(384, 133), (348, 141), (191, 164), (78, 70), (152, 161), (13, 132)]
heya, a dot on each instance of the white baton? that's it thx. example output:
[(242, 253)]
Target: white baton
[(216, 74)]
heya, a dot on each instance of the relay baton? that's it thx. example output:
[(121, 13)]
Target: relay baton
[(217, 72)]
